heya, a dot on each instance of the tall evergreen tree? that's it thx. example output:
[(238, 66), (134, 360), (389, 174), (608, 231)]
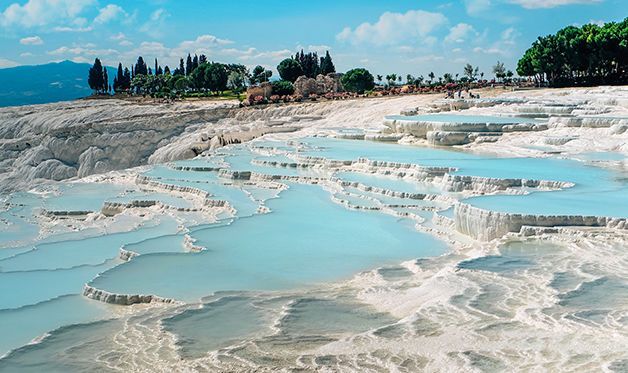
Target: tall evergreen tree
[(105, 78), (140, 67), (327, 65), (127, 79), (157, 68), (166, 70), (309, 63), (181, 68), (118, 81), (95, 77), (188, 65), (202, 59), (194, 62)]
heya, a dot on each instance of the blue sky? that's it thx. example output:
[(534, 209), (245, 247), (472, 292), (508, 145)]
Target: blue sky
[(392, 36)]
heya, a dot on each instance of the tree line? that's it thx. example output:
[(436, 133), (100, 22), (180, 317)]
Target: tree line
[(197, 76), (587, 55)]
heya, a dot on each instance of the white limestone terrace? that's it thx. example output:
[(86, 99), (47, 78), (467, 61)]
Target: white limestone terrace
[(74, 139)]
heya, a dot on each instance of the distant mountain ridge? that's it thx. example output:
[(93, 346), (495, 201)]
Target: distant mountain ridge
[(40, 84)]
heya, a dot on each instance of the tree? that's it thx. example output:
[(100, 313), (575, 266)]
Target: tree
[(216, 76), (431, 75), (499, 70), (140, 67), (409, 79), (290, 69), (327, 65), (282, 88), (194, 62), (585, 55), (189, 65), (166, 70), (236, 81), (95, 77), (309, 63), (181, 70), (358, 80), (157, 68), (470, 72), (118, 80), (379, 78), (105, 78), (126, 84), (259, 75), (447, 77), (399, 78)]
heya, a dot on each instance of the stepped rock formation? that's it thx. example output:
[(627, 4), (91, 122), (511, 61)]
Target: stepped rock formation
[(80, 138)]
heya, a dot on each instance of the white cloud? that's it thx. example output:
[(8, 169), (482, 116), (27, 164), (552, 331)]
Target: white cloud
[(477, 7), (321, 48), (504, 46), (37, 13), (428, 58), (119, 36), (109, 13), (202, 44), (7, 63), (155, 22), (534, 4), (598, 22), (26, 54), (31, 40), (392, 28), (85, 50), (252, 54), (460, 33), (72, 29)]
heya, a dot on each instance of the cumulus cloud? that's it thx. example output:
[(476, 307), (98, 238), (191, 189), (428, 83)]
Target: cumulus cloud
[(109, 13), (392, 28), (534, 4), (460, 33), (31, 40), (37, 13)]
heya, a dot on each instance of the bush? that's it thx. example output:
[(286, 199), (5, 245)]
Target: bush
[(358, 80), (282, 88)]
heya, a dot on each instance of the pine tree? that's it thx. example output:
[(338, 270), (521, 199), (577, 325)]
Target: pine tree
[(181, 68), (166, 70), (95, 77), (118, 81), (202, 59), (156, 68), (140, 67), (327, 65), (126, 84), (188, 65), (309, 63), (105, 80), (194, 62)]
